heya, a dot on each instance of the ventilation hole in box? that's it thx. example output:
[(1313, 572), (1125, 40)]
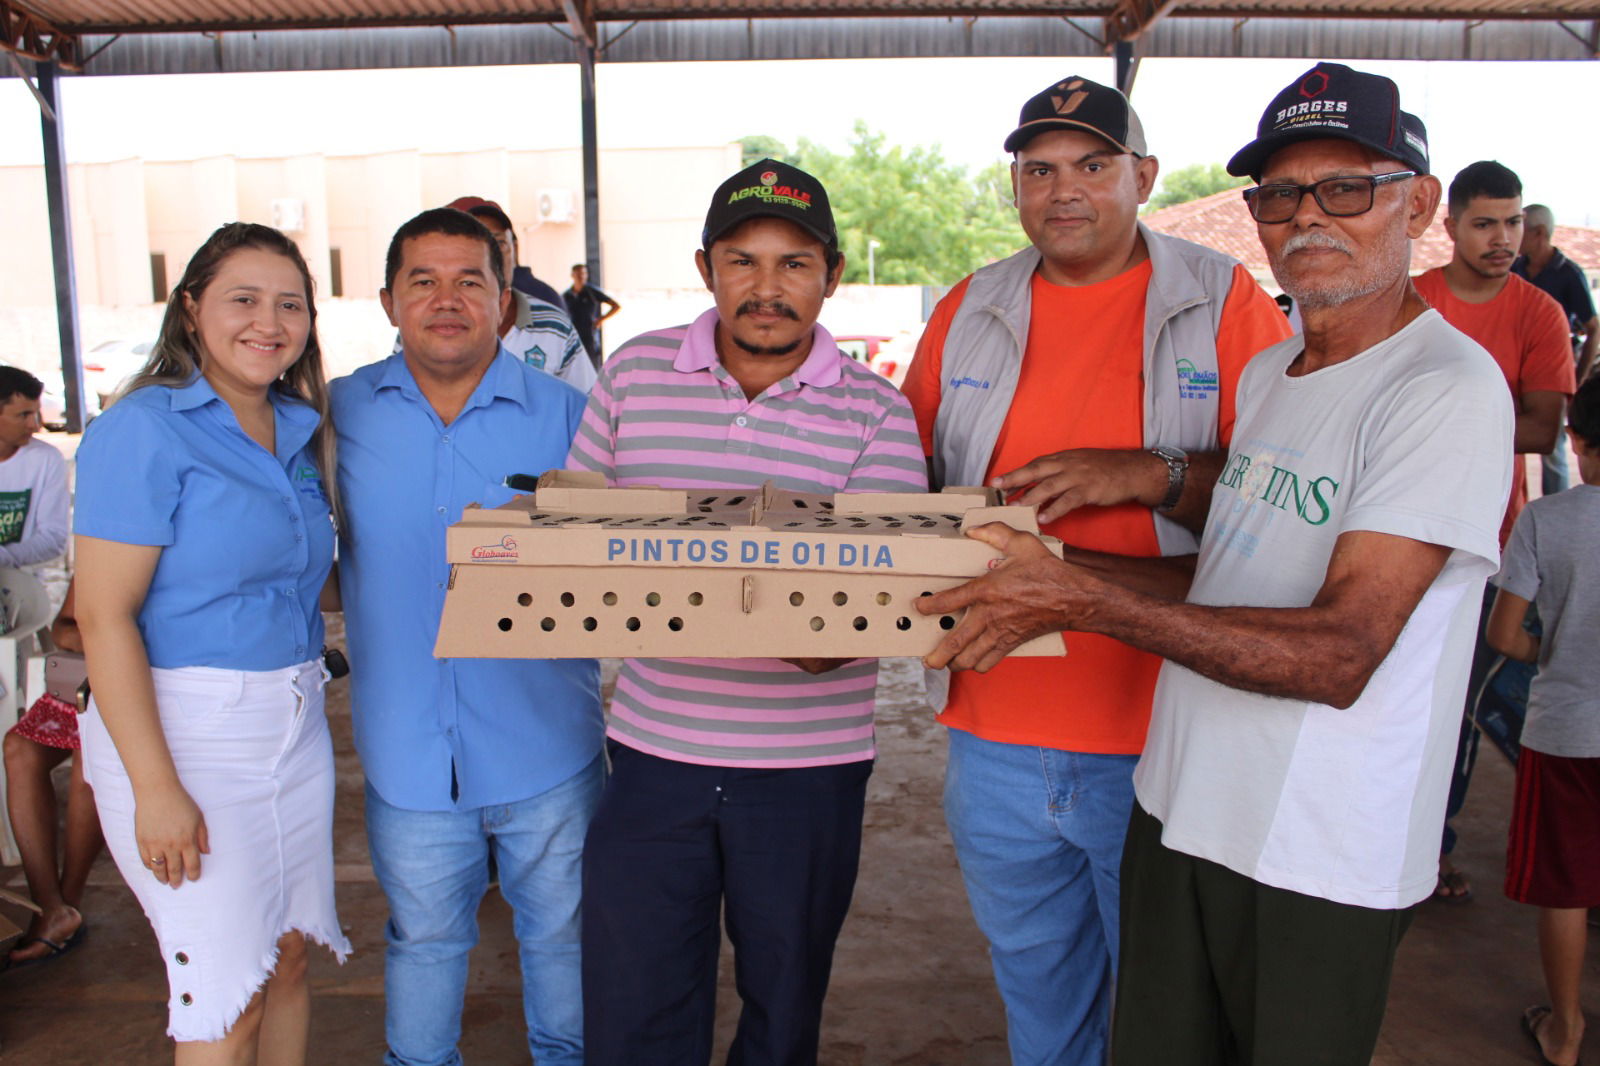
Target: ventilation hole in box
[(902, 623), (525, 599), (921, 594), (590, 624), (609, 599), (840, 599), (505, 625), (632, 624), (894, 525), (883, 599), (801, 504), (817, 624), (547, 624), (675, 624), (797, 598), (652, 599), (695, 599), (947, 621), (734, 501), (859, 623), (568, 599)]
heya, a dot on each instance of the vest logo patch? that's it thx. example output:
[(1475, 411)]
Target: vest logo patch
[(1196, 384), (971, 383)]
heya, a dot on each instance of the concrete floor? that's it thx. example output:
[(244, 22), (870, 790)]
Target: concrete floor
[(911, 981)]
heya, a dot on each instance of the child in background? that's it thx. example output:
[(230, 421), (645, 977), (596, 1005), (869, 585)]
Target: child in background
[(1553, 862), (37, 744)]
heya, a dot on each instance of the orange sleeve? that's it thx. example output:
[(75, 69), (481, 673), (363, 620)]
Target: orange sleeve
[(922, 382), (1251, 321), (1547, 363)]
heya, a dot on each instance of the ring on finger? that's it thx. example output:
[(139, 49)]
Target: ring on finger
[(159, 860)]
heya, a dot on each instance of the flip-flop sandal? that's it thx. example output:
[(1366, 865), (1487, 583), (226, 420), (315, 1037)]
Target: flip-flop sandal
[(1453, 888), (56, 950), (1531, 1019)]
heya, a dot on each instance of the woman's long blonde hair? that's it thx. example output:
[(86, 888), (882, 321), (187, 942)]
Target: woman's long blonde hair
[(176, 358)]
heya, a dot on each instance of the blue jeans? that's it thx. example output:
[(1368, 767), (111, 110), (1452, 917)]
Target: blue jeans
[(434, 869), (1039, 836)]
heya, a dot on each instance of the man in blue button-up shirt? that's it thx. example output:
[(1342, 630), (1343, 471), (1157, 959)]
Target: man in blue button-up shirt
[(461, 756)]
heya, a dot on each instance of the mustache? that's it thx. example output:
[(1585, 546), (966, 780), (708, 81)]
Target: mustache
[(770, 307), (1314, 239)]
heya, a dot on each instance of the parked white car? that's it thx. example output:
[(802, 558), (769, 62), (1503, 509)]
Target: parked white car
[(107, 367)]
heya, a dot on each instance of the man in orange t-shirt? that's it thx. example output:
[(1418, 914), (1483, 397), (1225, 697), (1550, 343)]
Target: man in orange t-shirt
[(1525, 330), (1093, 375)]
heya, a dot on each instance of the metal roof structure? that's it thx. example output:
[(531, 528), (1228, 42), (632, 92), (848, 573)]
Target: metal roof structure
[(192, 36)]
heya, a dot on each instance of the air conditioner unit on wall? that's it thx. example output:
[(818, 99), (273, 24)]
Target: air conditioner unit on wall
[(289, 215), (555, 205)]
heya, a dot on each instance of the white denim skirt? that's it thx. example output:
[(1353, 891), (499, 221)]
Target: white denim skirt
[(252, 749)]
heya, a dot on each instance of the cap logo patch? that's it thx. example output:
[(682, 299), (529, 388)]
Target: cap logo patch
[(1314, 84), (1315, 113), (777, 194), (1068, 103), (769, 177)]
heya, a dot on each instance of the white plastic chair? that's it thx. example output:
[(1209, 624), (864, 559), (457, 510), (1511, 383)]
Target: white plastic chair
[(25, 609)]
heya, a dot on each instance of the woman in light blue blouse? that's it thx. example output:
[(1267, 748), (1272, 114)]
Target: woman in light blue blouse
[(204, 538)]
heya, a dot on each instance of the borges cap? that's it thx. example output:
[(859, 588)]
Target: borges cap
[(1332, 100)]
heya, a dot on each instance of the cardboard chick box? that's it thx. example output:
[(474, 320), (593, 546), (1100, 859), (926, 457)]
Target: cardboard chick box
[(579, 570)]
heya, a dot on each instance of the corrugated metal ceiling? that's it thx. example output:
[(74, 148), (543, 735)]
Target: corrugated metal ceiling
[(129, 16)]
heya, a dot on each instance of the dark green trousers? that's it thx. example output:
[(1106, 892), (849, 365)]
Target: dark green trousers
[(1220, 970)]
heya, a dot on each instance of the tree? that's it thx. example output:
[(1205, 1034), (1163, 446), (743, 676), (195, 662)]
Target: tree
[(1191, 183), (758, 146), (933, 222)]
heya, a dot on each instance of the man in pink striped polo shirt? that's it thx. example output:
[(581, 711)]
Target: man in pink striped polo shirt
[(737, 785)]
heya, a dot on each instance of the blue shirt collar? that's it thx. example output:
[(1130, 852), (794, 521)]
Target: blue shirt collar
[(699, 352), (295, 419), (503, 380)]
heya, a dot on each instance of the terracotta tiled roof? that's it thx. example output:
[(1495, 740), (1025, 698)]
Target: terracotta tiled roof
[(1221, 221)]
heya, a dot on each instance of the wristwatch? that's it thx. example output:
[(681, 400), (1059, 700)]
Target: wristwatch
[(1177, 461)]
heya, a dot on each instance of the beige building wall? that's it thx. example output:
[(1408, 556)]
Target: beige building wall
[(25, 273), (653, 202), (291, 195), (369, 197), (184, 203), (113, 257), (652, 210)]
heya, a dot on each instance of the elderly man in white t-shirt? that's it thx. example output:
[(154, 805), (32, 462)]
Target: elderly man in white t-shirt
[(1293, 784)]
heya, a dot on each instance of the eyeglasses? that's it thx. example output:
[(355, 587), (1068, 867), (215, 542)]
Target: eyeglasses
[(1339, 197)]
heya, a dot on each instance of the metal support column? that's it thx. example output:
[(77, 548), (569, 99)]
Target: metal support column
[(1127, 66), (55, 185), (591, 163)]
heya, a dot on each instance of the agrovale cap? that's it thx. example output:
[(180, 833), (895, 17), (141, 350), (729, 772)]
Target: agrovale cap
[(770, 189), (1332, 100), (1078, 103)]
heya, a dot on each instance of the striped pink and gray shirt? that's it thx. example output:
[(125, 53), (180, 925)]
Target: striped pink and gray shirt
[(665, 412)]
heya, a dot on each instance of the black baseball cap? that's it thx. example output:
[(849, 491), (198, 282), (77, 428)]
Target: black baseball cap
[(771, 189), (1078, 103), (1332, 100)]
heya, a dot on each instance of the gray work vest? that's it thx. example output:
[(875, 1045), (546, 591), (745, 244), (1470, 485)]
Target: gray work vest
[(982, 360)]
